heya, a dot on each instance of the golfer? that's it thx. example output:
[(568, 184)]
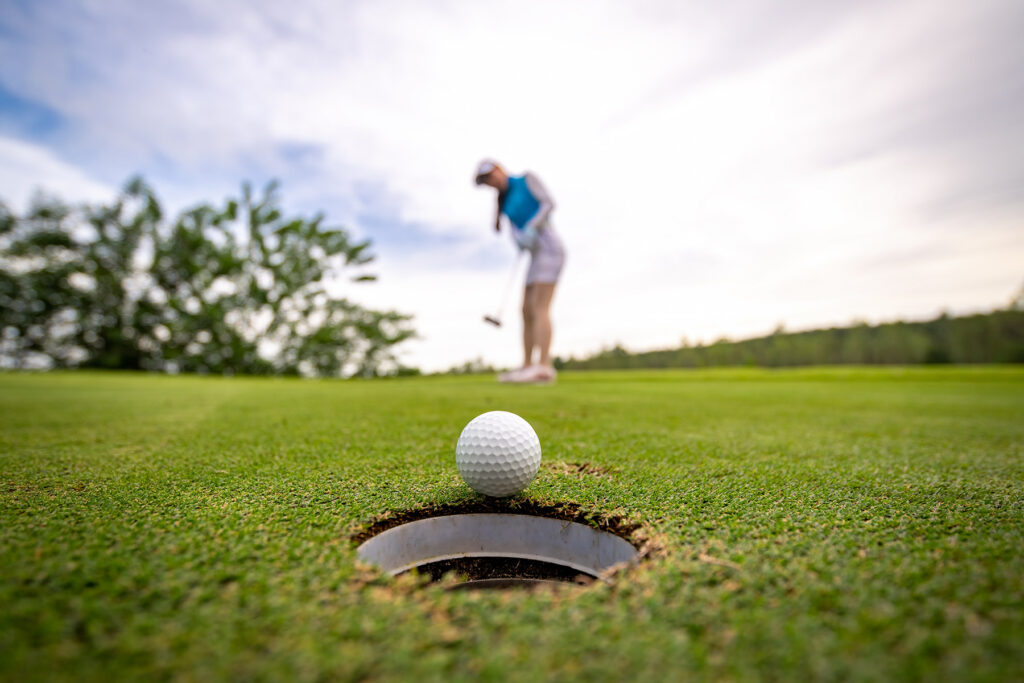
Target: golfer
[(527, 205)]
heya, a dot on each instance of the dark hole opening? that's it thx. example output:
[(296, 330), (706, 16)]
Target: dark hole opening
[(503, 572)]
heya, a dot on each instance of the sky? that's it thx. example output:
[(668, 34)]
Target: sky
[(719, 169)]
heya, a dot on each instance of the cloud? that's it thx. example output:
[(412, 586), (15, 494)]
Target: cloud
[(717, 168), (27, 169)]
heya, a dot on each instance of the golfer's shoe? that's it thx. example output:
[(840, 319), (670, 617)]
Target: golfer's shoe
[(532, 374), (513, 376), (538, 374)]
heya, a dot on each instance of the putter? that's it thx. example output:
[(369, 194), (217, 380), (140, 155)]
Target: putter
[(496, 318)]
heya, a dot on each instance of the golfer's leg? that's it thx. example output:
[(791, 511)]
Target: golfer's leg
[(543, 293), (529, 319)]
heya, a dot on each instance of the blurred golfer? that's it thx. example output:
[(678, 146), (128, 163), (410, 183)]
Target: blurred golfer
[(527, 205)]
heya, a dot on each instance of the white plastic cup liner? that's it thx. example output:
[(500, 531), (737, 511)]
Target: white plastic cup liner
[(527, 537)]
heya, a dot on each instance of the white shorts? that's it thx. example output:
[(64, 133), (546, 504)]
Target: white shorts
[(546, 258)]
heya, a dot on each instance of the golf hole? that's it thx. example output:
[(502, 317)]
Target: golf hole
[(499, 550)]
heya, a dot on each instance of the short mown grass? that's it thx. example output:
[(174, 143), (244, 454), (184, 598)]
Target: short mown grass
[(820, 524)]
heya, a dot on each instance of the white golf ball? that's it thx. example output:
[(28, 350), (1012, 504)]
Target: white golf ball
[(498, 454)]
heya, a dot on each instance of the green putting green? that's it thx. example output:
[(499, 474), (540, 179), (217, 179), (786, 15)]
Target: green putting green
[(824, 524)]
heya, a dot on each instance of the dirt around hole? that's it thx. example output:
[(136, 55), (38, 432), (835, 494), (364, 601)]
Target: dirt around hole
[(579, 469)]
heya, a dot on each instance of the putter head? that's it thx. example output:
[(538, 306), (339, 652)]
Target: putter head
[(492, 320)]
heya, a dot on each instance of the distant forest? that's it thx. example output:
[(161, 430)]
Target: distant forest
[(996, 337)]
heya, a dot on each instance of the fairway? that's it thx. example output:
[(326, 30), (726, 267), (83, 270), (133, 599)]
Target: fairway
[(817, 524)]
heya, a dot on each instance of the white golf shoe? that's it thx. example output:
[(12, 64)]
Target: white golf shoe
[(531, 374)]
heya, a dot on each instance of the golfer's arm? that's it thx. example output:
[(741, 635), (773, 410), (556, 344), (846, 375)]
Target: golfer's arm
[(540, 193)]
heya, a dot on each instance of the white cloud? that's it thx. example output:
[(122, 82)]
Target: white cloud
[(26, 168), (716, 172)]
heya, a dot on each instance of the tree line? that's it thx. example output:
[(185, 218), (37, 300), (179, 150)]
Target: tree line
[(995, 337), (239, 288)]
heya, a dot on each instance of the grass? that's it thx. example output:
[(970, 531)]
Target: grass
[(823, 524)]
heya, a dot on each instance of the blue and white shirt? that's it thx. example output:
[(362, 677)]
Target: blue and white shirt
[(527, 205)]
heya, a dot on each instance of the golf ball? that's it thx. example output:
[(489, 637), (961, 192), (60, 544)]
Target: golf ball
[(498, 454)]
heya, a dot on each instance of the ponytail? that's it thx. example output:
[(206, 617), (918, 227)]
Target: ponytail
[(497, 216)]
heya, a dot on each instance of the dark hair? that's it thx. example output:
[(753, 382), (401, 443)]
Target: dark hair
[(501, 202)]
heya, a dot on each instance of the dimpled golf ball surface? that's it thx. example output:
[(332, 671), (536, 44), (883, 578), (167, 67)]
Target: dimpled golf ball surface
[(498, 454)]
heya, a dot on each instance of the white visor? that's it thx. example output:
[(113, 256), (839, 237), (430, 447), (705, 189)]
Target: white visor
[(485, 167)]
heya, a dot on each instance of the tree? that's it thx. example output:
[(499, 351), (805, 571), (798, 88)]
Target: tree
[(477, 366), (239, 289)]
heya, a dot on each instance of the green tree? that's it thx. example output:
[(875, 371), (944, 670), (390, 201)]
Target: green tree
[(236, 289)]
